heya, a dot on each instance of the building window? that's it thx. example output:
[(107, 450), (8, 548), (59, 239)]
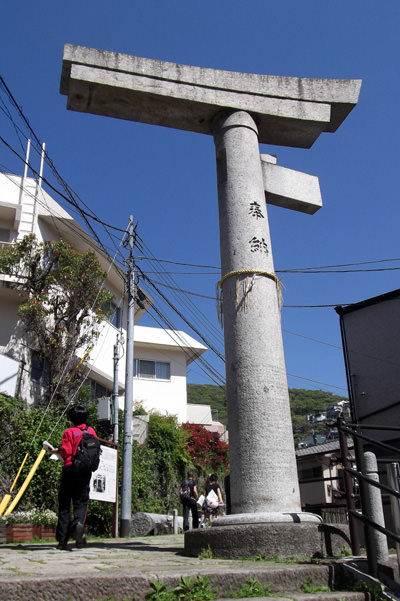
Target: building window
[(310, 473), (4, 235), (153, 370), (114, 313), (97, 390), (39, 368)]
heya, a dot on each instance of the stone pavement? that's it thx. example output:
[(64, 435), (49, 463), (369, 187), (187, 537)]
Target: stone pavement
[(122, 569)]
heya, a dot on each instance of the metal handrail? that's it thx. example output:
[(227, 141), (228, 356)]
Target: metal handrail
[(378, 443), (354, 515), (378, 527), (379, 485)]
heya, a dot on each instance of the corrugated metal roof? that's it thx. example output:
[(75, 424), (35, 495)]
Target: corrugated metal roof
[(321, 449)]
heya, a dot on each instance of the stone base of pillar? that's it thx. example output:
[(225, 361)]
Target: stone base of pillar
[(298, 540), (237, 519)]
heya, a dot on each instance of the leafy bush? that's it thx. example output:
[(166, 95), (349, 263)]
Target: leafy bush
[(168, 442), (99, 521), (22, 432), (208, 452)]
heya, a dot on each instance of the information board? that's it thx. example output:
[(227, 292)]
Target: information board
[(103, 484)]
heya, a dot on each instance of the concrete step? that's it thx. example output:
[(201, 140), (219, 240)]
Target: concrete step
[(121, 569), (294, 596)]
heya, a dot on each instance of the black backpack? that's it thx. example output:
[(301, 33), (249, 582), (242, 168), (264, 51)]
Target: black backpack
[(185, 494), (87, 457)]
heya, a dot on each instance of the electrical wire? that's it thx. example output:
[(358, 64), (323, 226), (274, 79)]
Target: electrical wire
[(180, 298), (317, 382), (208, 369)]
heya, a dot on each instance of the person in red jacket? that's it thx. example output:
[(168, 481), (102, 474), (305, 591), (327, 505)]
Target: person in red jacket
[(74, 487)]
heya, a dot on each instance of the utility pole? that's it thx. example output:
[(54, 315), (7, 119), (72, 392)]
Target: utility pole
[(126, 495)]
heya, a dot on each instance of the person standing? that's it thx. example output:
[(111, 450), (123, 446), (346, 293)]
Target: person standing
[(74, 487), (189, 495), (212, 484)]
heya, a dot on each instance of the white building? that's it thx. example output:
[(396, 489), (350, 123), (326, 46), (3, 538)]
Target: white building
[(203, 415), (161, 356)]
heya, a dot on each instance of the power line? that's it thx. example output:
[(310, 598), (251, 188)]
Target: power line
[(310, 270), (317, 382), (181, 298), (313, 339), (179, 313), (204, 365), (70, 199), (183, 264)]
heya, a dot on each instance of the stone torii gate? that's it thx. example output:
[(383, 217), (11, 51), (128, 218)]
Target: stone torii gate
[(240, 111)]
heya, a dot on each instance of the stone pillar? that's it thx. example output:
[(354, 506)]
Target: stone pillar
[(375, 507), (263, 472)]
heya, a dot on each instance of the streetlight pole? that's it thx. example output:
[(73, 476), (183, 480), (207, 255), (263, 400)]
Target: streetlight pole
[(114, 404)]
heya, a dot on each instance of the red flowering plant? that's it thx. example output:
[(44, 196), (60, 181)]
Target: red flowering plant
[(208, 452)]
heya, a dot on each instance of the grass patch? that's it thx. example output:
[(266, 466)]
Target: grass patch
[(206, 553), (189, 589), (310, 588), (199, 589), (253, 588)]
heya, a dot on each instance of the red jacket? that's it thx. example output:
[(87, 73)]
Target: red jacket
[(70, 442)]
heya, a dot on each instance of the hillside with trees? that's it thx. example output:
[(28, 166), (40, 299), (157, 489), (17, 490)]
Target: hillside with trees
[(303, 404)]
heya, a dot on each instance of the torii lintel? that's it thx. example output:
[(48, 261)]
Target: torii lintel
[(289, 111)]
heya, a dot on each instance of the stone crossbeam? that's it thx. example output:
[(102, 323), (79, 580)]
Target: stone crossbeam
[(290, 189), (289, 111)]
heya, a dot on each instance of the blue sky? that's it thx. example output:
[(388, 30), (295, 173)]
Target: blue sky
[(166, 178)]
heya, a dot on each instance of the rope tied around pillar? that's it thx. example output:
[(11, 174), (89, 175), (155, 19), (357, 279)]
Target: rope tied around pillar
[(248, 285)]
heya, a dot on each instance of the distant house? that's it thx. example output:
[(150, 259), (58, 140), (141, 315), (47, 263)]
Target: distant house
[(321, 478), (161, 356), (341, 409), (161, 359), (202, 415)]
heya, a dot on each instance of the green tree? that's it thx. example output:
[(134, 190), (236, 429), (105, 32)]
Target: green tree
[(168, 441), (62, 303)]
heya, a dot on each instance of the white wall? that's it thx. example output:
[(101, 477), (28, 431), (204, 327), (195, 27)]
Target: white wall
[(8, 374), (158, 395), (101, 357), (150, 343), (154, 395)]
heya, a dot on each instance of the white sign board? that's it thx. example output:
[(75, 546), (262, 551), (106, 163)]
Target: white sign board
[(8, 374), (103, 485)]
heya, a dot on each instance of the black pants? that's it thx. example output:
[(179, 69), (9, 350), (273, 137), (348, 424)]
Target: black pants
[(190, 505), (73, 488)]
